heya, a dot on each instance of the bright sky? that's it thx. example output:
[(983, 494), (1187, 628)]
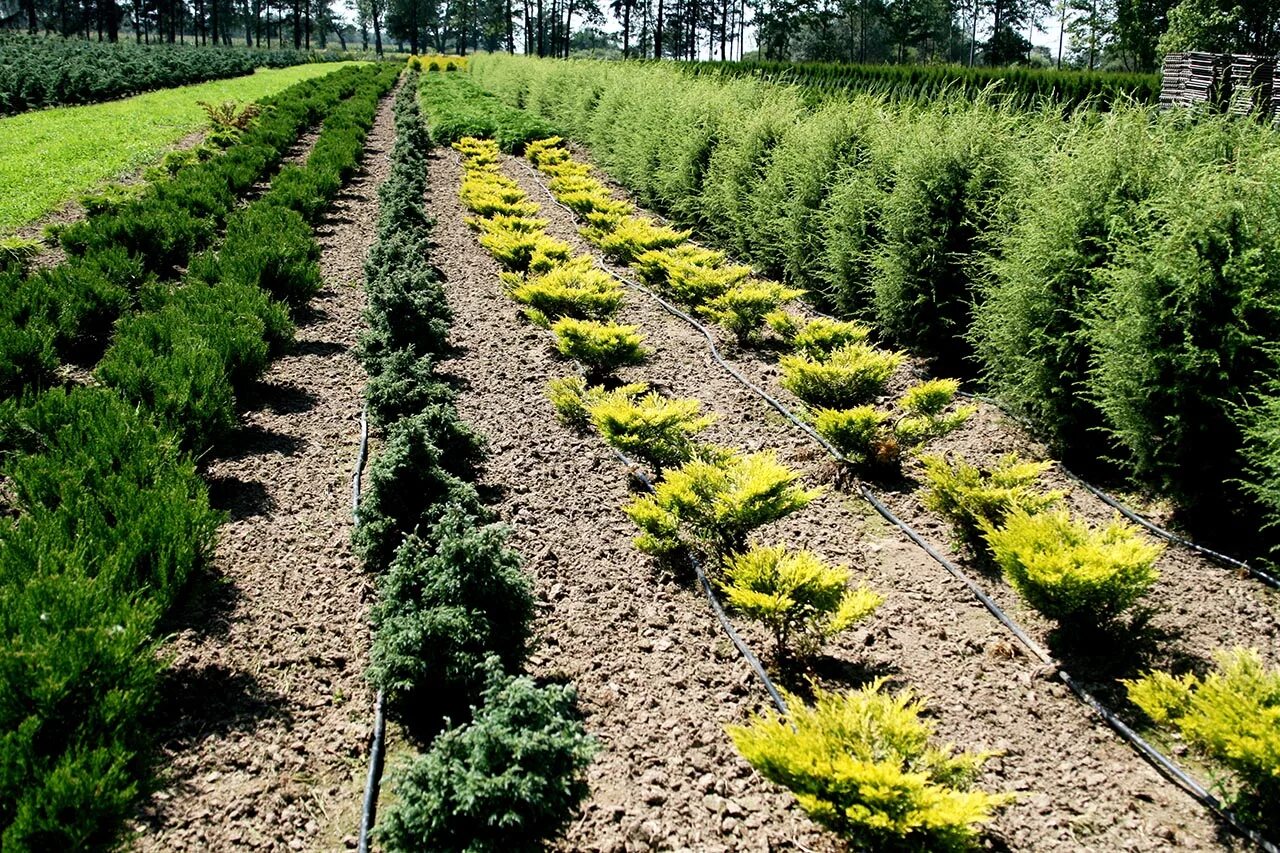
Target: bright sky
[(1047, 37)]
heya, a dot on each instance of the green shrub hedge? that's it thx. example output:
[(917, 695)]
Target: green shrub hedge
[(1103, 273), (40, 72), (108, 520), (456, 107), (452, 623), (1025, 86), (185, 354)]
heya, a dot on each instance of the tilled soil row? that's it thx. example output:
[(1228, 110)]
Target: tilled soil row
[(266, 710), (1079, 786), (1195, 609), (656, 677)]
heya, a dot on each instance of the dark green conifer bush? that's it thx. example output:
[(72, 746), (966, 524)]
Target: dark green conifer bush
[(450, 598), (946, 187), (1187, 326), (406, 385), (109, 522), (164, 362), (502, 783), (412, 480), (271, 247)]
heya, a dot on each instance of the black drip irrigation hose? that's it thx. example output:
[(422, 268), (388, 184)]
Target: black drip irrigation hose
[(1137, 517), (377, 749), (1162, 763), (705, 582), (1110, 500)]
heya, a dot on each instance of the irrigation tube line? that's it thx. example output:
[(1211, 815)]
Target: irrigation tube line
[(1137, 517), (705, 582), (377, 749), (1107, 498), (725, 623), (1155, 757)]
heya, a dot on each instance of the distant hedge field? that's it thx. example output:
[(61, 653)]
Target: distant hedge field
[(1110, 276), (1022, 85), (106, 516), (38, 72)]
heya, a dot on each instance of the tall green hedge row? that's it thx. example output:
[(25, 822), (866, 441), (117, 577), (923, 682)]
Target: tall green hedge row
[(40, 72), (118, 253), (456, 107), (1110, 276), (106, 516), (197, 342), (1025, 86), (452, 624)]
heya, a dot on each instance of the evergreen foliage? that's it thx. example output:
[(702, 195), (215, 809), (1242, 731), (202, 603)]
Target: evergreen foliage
[(799, 598), (862, 764)]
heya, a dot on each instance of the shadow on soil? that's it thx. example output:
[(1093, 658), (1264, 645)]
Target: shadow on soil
[(320, 349), (281, 398), (203, 607), (238, 498), (1101, 659), (832, 673), (254, 440)]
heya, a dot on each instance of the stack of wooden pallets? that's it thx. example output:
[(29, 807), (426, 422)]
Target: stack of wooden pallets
[(1251, 80)]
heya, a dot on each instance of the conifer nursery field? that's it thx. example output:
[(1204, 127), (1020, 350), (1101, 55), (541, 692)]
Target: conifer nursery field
[(511, 454)]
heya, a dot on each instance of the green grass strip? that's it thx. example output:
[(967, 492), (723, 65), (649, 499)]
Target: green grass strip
[(52, 156)]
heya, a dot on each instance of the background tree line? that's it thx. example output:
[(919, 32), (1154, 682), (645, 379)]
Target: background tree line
[(1128, 35), (301, 24)]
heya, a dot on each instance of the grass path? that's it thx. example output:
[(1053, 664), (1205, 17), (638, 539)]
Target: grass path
[(49, 157)]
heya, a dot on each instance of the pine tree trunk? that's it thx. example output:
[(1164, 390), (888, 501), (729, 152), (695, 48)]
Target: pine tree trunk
[(626, 29), (657, 34)]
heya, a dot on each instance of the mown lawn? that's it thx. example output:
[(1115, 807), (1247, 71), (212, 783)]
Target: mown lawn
[(51, 156)]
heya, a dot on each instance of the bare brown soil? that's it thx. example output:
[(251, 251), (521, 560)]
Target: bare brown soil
[(266, 712), (658, 679), (1195, 609)]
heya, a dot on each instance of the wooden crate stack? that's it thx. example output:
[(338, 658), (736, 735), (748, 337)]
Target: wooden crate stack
[(1274, 105), (1251, 79), (1244, 85), (1173, 76)]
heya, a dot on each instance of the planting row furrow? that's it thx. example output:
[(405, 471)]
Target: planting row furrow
[(502, 756), (109, 520), (1098, 274), (1083, 577), (656, 675), (538, 251), (136, 239), (1043, 749)]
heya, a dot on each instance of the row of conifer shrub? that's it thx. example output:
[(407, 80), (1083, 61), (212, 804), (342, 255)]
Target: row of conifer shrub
[(109, 518), (40, 72), (1022, 86), (452, 624), (1100, 272), (458, 108), (1085, 577), (195, 344), (132, 241), (862, 762)]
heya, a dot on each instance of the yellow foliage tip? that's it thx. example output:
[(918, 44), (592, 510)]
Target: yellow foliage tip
[(802, 600), (862, 763)]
